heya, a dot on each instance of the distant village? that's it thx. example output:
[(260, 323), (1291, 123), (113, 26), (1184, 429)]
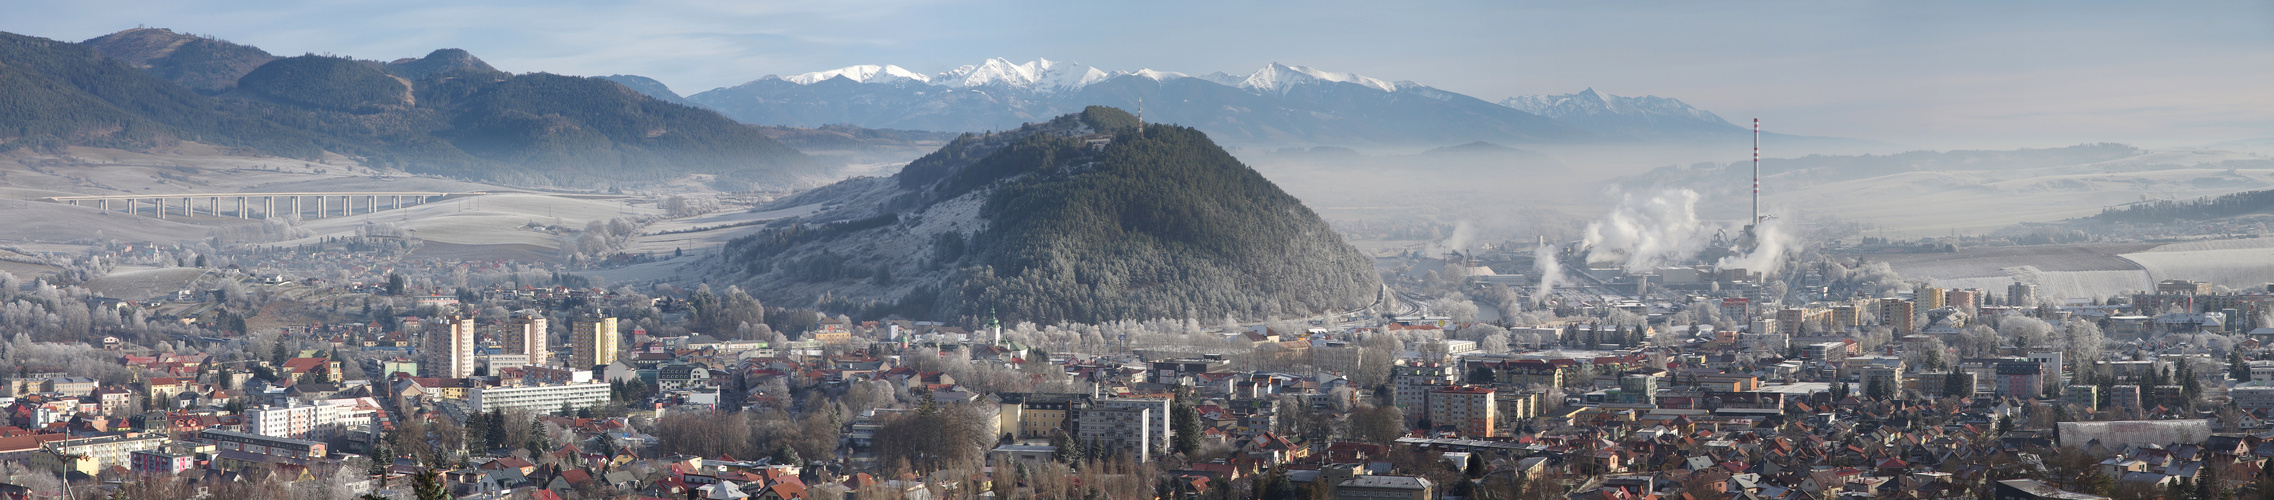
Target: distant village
[(1683, 384)]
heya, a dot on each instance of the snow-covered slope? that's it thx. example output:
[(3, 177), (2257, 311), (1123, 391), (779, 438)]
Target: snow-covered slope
[(1639, 117), (866, 73), (1280, 78)]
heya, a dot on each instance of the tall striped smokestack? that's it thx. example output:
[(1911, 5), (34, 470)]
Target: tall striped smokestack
[(1756, 171)]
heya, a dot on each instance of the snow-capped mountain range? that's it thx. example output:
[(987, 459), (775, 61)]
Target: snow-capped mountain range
[(1278, 104), (1640, 117), (1045, 75)]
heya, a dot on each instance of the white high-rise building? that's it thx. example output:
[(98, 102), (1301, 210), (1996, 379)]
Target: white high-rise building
[(533, 336), (461, 349)]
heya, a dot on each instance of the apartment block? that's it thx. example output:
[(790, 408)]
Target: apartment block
[(1470, 410), (596, 343), (538, 398)]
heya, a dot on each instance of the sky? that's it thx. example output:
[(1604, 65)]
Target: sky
[(1926, 74)]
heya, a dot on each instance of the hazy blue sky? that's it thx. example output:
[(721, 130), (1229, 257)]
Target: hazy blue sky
[(1929, 74)]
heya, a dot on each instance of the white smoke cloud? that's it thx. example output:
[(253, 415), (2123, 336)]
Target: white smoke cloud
[(1770, 244), (1551, 272), (1464, 233), (1642, 233)]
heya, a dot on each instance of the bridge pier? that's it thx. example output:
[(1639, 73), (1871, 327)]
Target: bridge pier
[(268, 207), (319, 207)]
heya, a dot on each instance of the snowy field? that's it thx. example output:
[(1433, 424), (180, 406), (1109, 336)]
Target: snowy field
[(2058, 271), (489, 219), (141, 283), (2235, 264), (2077, 271)]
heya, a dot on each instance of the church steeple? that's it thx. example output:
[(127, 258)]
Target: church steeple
[(994, 325)]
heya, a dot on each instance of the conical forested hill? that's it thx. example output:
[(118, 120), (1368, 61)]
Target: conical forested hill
[(1082, 218)]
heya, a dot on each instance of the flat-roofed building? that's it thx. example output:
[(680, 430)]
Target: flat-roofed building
[(1410, 386), (161, 462), (538, 398), (1897, 314), (459, 354), (596, 343), (262, 445), (2253, 397), (2082, 396), (1470, 410), (92, 455), (1371, 487), (530, 340)]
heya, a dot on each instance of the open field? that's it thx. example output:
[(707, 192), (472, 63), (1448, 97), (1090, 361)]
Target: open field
[(2099, 270), (2058, 271), (2236, 264), (140, 283), (1996, 261)]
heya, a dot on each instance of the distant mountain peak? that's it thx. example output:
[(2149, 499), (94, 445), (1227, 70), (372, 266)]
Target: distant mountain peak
[(205, 64), (1645, 117), (1277, 77), (866, 73), (1590, 102), (438, 62)]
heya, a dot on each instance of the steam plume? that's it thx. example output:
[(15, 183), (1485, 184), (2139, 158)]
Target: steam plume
[(1769, 246), (1551, 272), (1463, 234), (1641, 234)]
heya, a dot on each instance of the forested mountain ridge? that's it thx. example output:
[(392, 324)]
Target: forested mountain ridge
[(447, 114), (2205, 208), (57, 94), (1079, 218), (204, 64)]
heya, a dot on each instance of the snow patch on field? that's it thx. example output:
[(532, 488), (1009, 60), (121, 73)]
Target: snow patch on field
[(2057, 285), (141, 283)]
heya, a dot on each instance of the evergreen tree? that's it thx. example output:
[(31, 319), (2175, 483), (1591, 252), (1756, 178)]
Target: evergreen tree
[(496, 436), (1276, 486), (1185, 422), (478, 430), (381, 458), (2191, 388), (2237, 367), (427, 485)]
